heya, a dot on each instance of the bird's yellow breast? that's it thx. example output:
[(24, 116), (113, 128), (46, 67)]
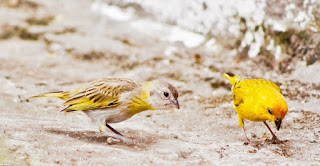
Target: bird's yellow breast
[(140, 103)]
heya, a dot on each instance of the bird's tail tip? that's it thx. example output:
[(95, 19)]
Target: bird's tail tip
[(59, 94), (232, 77)]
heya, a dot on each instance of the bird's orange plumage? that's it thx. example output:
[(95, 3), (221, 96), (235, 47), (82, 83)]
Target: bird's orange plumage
[(257, 100)]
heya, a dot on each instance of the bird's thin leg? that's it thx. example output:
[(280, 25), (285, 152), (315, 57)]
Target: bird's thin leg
[(118, 137), (113, 130), (274, 137), (241, 123), (244, 130)]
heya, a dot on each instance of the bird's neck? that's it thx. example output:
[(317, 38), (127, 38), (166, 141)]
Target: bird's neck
[(140, 103)]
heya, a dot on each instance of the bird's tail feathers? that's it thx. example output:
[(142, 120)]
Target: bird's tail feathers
[(233, 78), (62, 95)]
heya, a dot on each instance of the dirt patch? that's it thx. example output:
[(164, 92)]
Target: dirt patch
[(70, 48)]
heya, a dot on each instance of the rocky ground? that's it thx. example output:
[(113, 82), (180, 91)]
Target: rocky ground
[(59, 45)]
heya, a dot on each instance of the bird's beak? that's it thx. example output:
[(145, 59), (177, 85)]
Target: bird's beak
[(176, 103), (278, 123)]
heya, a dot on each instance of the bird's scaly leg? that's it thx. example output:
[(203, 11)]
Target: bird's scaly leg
[(113, 130), (275, 139), (248, 141), (241, 124), (104, 124), (115, 136)]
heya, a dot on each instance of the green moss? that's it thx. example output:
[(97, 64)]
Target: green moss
[(283, 38), (90, 56), (66, 30), (23, 4), (40, 21), (8, 31), (26, 35)]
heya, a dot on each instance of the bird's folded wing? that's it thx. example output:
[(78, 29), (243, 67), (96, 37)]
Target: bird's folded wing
[(246, 90), (99, 94), (265, 83)]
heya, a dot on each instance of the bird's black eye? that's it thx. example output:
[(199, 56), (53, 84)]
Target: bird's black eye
[(269, 110), (166, 94)]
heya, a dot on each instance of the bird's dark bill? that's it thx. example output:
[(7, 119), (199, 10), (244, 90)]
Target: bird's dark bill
[(278, 123), (176, 103)]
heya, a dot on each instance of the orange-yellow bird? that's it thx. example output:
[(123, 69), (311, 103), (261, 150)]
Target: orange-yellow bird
[(257, 100)]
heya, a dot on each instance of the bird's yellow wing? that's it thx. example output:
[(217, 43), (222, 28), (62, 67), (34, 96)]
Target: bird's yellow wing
[(247, 88), (99, 94)]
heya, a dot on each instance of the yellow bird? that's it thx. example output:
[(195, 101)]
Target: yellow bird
[(113, 100), (257, 100)]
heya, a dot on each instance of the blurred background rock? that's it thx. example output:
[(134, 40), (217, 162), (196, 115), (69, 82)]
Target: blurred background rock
[(273, 31)]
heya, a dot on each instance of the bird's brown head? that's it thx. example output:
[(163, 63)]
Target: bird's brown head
[(163, 95)]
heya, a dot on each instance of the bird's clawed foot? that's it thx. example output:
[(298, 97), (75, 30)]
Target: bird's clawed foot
[(115, 136), (246, 143), (256, 144), (119, 139), (275, 140), (115, 139), (252, 143)]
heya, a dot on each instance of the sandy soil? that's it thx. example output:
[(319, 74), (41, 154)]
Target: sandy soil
[(58, 45)]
